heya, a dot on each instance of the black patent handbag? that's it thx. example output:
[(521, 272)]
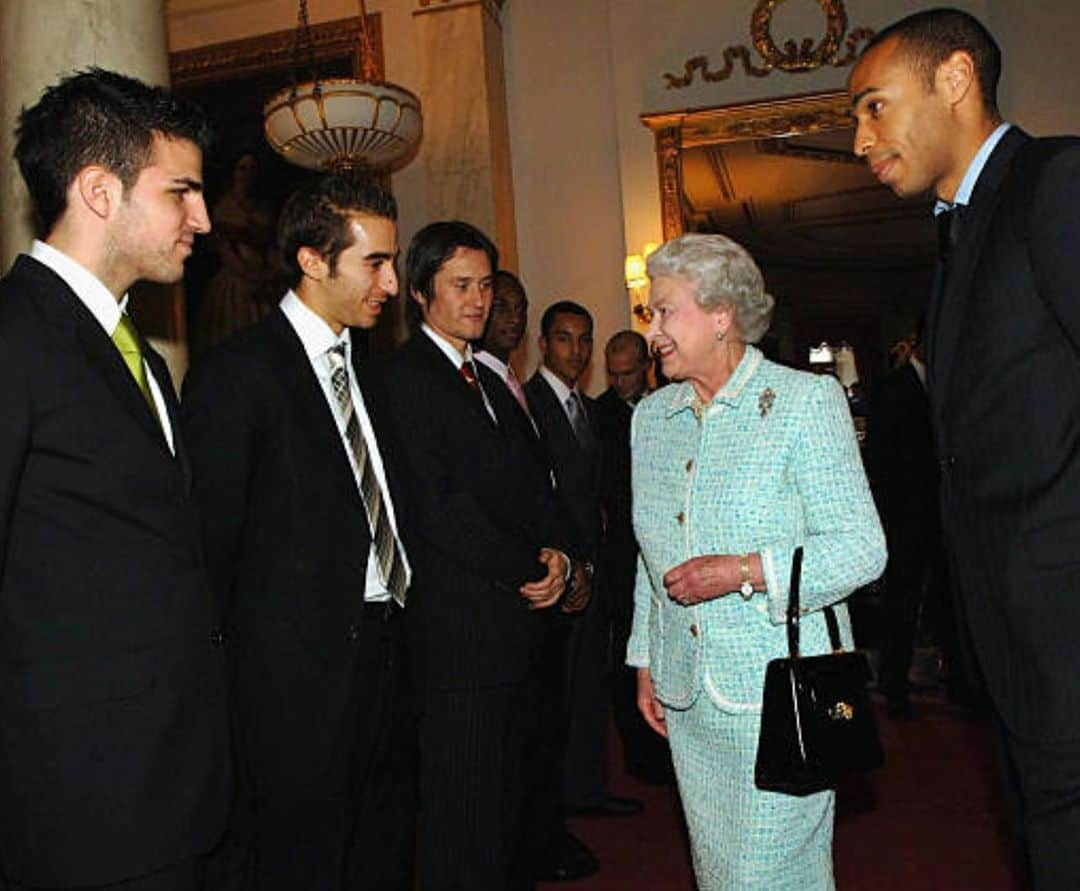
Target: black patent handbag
[(817, 721)]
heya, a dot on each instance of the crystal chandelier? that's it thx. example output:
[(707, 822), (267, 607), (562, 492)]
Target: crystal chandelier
[(343, 125)]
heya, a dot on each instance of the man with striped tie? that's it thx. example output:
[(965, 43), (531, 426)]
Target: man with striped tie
[(302, 543)]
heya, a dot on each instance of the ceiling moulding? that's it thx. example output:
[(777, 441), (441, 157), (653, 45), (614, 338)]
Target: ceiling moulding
[(795, 57)]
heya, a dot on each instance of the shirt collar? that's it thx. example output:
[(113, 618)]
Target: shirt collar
[(447, 348), (562, 392), (685, 396), (101, 302), (975, 168), (315, 334), (920, 370), (493, 362)]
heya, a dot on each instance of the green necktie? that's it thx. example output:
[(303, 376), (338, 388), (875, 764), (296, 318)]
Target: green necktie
[(126, 339)]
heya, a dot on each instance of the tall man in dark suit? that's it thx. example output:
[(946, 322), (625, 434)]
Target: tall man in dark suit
[(567, 426), (481, 528), (1004, 385), (301, 537), (626, 356), (903, 472), (115, 743)]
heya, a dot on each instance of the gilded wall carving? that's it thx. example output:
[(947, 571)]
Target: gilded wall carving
[(804, 55)]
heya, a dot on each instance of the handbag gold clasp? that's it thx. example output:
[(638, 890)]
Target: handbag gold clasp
[(842, 711)]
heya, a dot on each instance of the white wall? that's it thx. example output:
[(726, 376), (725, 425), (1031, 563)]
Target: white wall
[(581, 72)]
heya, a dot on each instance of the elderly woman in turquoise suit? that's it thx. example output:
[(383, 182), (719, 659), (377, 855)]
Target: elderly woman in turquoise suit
[(734, 465)]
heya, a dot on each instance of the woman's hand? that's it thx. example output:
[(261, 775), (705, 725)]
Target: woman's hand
[(649, 706), (706, 578), (702, 578)]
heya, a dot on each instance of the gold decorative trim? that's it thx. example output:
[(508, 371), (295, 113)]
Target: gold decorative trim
[(794, 57), (274, 51), (675, 131)]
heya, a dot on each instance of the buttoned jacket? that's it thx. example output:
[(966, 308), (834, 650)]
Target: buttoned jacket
[(771, 464)]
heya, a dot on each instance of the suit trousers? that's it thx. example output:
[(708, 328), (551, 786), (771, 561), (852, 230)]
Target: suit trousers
[(480, 770), (589, 697), (351, 825), (1045, 780)]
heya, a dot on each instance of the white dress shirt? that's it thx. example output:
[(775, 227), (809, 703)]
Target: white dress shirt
[(318, 339), (562, 392), (104, 307)]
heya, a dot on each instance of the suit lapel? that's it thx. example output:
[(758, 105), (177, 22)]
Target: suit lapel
[(306, 393), (440, 364), (950, 305), (102, 356)]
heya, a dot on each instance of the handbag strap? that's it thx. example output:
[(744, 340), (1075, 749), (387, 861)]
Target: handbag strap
[(793, 611)]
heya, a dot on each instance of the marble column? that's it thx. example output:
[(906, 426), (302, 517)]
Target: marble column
[(466, 149), (41, 42)]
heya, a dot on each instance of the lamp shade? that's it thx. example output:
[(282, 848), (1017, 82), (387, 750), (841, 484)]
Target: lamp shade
[(636, 276), (344, 124)]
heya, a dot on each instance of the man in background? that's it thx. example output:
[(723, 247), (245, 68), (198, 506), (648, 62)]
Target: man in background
[(557, 855), (302, 541), (115, 743), (1004, 386), (626, 355), (567, 426)]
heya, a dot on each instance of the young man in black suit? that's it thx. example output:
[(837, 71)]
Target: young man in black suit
[(483, 535), (301, 537), (557, 854), (1004, 386), (115, 744), (567, 423)]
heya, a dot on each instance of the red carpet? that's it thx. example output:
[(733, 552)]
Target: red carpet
[(932, 819)]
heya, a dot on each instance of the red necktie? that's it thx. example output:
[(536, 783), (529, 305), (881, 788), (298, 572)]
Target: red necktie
[(469, 375)]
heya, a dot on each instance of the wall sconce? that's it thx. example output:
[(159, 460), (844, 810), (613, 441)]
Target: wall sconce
[(637, 280), (636, 277)]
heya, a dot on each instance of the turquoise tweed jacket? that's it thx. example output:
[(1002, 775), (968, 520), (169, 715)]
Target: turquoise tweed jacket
[(773, 463)]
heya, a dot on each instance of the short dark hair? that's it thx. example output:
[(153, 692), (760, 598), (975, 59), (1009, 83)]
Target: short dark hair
[(929, 37), (627, 340), (506, 279), (432, 246), (547, 320), (317, 214), (97, 117)]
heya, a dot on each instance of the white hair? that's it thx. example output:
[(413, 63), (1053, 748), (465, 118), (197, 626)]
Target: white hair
[(721, 271)]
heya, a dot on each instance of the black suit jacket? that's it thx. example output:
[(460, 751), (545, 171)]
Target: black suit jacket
[(1005, 399), (901, 461), (112, 681), (577, 469), (477, 507), (287, 538)]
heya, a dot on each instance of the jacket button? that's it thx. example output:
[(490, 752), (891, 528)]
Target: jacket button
[(681, 517), (689, 465), (693, 630), (354, 634), (217, 637)]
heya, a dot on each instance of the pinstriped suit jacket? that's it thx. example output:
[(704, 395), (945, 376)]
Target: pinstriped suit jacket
[(772, 464)]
